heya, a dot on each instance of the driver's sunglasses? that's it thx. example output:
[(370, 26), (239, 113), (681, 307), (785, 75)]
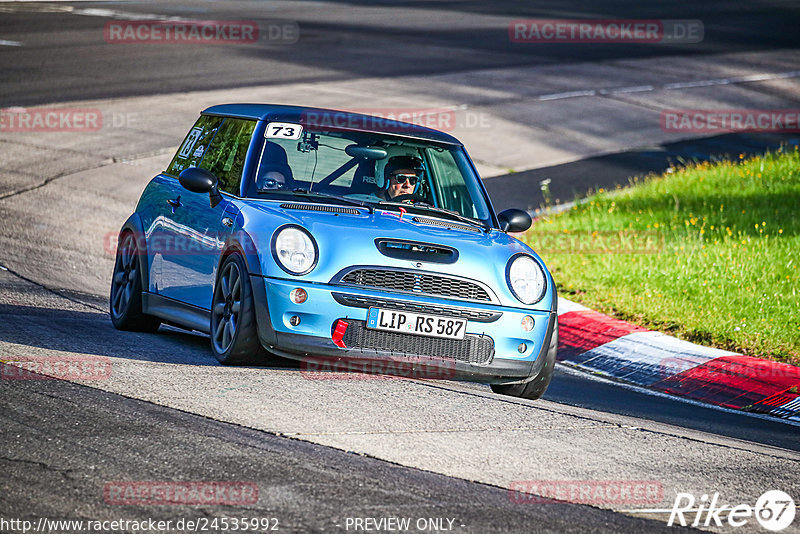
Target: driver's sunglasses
[(269, 183), (401, 178)]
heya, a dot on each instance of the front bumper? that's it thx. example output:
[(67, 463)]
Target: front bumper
[(311, 339)]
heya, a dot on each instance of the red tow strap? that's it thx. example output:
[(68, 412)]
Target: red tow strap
[(338, 333)]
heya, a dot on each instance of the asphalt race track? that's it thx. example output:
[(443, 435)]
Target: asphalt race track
[(339, 40), (323, 453)]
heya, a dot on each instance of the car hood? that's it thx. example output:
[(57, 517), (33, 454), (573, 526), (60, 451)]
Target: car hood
[(348, 236)]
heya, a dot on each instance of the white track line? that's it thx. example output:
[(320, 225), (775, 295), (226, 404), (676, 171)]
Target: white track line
[(90, 12), (670, 86), (592, 375), (569, 94), (124, 15)]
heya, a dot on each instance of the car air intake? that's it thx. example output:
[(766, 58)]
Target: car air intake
[(317, 207), (445, 224), (415, 251)]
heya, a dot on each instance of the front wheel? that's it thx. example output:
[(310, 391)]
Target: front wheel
[(234, 332), (125, 301), (535, 388)]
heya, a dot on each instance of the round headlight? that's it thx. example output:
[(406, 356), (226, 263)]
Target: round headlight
[(526, 279), (294, 250)]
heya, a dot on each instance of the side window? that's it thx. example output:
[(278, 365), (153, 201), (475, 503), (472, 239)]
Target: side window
[(452, 190), (194, 147), (227, 151)]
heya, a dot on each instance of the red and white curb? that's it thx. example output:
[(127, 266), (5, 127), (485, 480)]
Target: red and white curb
[(595, 342)]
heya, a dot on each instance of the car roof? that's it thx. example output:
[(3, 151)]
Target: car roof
[(331, 119)]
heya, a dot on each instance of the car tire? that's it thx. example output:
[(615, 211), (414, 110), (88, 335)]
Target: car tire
[(234, 330), (125, 300), (535, 388)]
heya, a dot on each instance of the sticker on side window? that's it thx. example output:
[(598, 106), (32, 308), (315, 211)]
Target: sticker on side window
[(283, 130), (188, 145)]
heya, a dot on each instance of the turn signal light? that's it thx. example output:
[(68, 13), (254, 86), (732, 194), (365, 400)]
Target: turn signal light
[(527, 323), (298, 295)]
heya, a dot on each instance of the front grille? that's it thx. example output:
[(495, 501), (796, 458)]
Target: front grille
[(417, 282), (472, 349), (317, 207), (417, 307)]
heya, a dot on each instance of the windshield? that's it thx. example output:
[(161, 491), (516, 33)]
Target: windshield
[(371, 168)]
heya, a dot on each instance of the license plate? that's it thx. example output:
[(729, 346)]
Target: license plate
[(416, 323)]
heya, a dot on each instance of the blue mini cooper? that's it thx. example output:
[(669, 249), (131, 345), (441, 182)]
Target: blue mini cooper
[(324, 235)]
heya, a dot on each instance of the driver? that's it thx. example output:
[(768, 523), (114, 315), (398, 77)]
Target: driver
[(401, 175), (272, 180), (274, 171)]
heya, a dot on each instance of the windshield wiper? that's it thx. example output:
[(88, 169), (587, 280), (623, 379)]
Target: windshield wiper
[(435, 209), (337, 198)]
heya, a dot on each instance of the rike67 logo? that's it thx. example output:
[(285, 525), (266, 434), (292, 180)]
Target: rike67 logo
[(774, 510)]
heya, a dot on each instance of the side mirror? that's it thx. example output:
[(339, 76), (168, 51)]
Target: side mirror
[(199, 180), (514, 220)]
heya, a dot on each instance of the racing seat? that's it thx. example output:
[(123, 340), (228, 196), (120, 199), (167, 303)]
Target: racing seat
[(364, 181)]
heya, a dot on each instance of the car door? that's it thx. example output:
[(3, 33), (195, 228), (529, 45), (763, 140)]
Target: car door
[(195, 231)]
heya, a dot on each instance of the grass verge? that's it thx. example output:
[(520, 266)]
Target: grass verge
[(708, 252)]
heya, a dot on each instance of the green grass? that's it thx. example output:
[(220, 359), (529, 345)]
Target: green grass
[(708, 253)]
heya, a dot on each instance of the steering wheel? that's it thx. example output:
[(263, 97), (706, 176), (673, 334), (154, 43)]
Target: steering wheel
[(412, 198)]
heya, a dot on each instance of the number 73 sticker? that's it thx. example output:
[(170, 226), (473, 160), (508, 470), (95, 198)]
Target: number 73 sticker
[(283, 130)]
